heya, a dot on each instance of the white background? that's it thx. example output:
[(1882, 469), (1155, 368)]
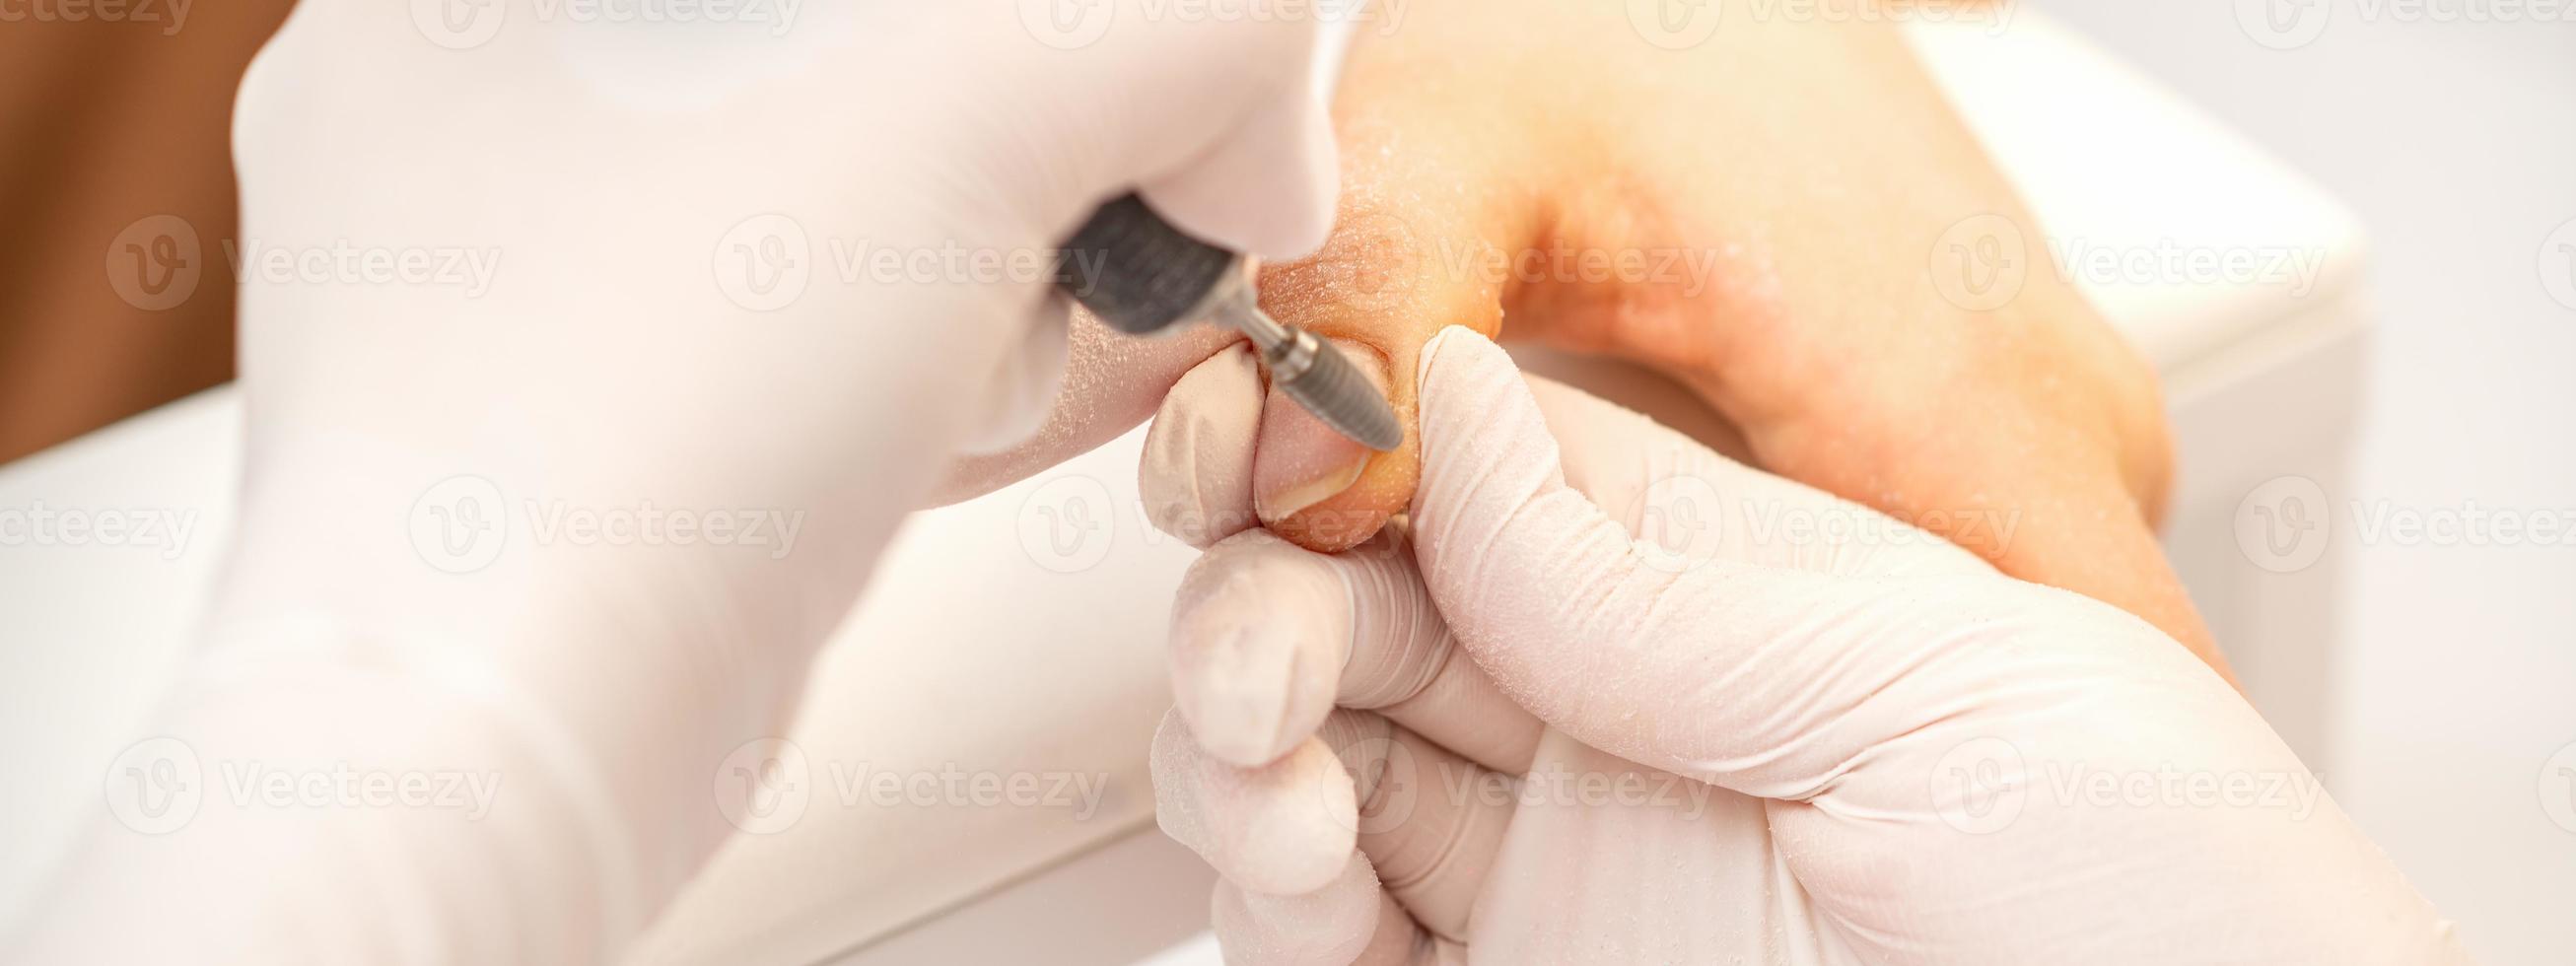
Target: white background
[(2456, 142)]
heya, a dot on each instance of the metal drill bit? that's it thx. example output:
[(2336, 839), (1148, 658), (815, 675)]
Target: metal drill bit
[(1144, 277), (1312, 372)]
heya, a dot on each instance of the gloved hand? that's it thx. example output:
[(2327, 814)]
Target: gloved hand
[(604, 356), (1784, 728)]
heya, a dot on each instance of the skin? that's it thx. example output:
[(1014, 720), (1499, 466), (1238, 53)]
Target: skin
[(1789, 270)]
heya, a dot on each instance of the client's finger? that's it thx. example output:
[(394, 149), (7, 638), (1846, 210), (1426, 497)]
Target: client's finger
[(1268, 637)]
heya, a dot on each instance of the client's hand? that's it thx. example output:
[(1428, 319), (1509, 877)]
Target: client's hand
[(1762, 217), (1906, 757)]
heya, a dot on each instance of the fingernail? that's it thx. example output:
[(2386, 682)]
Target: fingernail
[(1299, 461)]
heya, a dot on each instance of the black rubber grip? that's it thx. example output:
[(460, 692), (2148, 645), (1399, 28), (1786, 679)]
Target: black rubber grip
[(1137, 272)]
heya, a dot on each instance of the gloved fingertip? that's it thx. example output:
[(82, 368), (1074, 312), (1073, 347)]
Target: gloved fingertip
[(1233, 687), (1476, 415), (1285, 828), (1330, 926), (1195, 476), (1258, 634), (1298, 822)]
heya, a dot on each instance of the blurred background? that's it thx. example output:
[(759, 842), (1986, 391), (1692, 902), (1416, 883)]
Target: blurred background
[(2455, 141), (2448, 126)]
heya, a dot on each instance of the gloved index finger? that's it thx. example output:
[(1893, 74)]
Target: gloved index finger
[(1268, 637)]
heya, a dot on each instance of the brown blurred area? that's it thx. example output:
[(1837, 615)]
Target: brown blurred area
[(116, 181)]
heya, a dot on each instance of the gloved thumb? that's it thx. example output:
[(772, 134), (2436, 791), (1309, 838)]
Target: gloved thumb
[(1709, 661)]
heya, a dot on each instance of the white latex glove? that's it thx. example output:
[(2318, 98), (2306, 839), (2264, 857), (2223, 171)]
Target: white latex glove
[(1905, 757), (503, 526)]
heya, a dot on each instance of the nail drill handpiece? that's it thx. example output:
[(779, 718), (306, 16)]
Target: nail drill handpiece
[(1143, 276)]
